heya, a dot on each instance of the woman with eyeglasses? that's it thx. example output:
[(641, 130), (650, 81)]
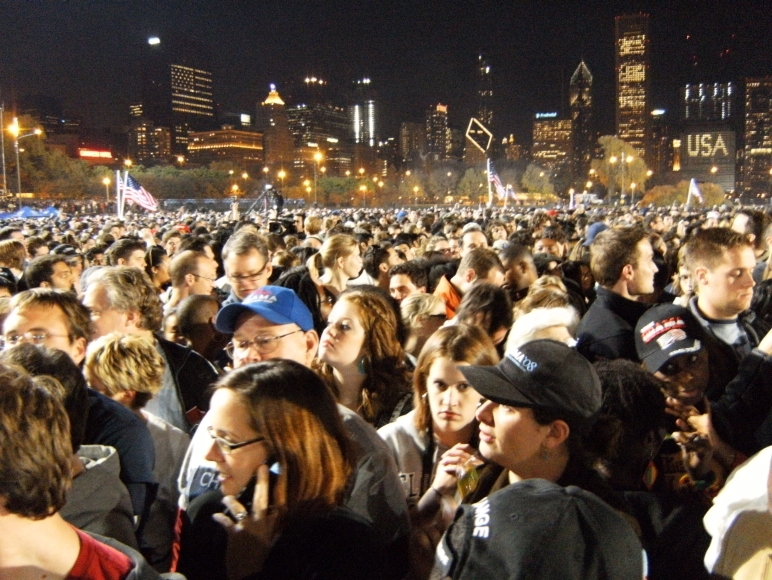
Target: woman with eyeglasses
[(361, 358), (284, 461)]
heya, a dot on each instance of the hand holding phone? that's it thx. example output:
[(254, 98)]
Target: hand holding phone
[(250, 537)]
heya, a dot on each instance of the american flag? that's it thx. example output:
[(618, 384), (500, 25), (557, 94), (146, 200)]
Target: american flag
[(133, 192), (501, 191)]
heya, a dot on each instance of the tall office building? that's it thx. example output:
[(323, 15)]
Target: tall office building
[(437, 132), (147, 143), (661, 156), (317, 123), (314, 119), (757, 169), (552, 141), (278, 141), (177, 91), (412, 141), (363, 117), (633, 80), (709, 102), (583, 137), (484, 93)]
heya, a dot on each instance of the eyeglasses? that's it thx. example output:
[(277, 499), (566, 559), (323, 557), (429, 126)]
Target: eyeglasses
[(36, 337), (226, 447), (243, 279), (212, 280), (439, 316), (262, 344)]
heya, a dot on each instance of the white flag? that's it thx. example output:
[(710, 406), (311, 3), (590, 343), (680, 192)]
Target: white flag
[(694, 191)]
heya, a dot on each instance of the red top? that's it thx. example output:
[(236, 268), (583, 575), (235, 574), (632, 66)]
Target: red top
[(98, 561)]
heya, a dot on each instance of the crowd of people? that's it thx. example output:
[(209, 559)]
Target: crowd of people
[(387, 394)]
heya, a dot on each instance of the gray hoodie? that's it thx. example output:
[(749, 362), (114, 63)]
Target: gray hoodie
[(98, 502)]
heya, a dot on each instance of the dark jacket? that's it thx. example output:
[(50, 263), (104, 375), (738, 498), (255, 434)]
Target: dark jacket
[(607, 331), (746, 405), (193, 375), (338, 544), (723, 358)]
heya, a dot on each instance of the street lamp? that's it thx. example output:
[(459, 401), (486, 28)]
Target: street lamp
[(127, 163), (632, 194), (363, 189), (180, 159), (415, 194), (612, 176), (317, 158), (15, 130), (282, 174), (106, 181)]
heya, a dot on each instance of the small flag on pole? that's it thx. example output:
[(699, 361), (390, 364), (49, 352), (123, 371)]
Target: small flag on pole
[(498, 186), (133, 192), (694, 190)]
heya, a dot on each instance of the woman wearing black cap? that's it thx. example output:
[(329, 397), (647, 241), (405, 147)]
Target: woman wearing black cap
[(540, 420)]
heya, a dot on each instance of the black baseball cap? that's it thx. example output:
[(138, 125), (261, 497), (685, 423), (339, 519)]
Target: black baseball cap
[(536, 529), (544, 374), (666, 331)]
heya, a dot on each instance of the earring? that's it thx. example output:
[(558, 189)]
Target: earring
[(363, 365)]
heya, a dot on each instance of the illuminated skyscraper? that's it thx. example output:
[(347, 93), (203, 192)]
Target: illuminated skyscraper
[(177, 91), (412, 141), (363, 114), (552, 141), (709, 101), (757, 170), (633, 80), (437, 132), (580, 101), (278, 141), (484, 92), (314, 120)]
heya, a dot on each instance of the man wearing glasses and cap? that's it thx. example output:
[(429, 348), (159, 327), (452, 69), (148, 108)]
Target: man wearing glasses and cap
[(273, 323)]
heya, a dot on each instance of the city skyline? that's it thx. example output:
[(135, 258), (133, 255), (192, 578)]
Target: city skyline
[(88, 54)]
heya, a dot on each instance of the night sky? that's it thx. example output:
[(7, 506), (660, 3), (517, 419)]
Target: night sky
[(88, 52)]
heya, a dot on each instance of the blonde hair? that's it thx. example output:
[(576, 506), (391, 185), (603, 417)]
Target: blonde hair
[(416, 306), (334, 247), (125, 362)]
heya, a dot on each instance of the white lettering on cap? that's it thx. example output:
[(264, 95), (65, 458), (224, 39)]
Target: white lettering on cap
[(522, 361), (259, 296), (482, 517)]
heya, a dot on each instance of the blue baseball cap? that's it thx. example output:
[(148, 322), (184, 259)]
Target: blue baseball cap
[(274, 303)]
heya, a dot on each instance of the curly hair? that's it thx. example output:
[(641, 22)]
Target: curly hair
[(36, 453), (388, 377), (126, 362)]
